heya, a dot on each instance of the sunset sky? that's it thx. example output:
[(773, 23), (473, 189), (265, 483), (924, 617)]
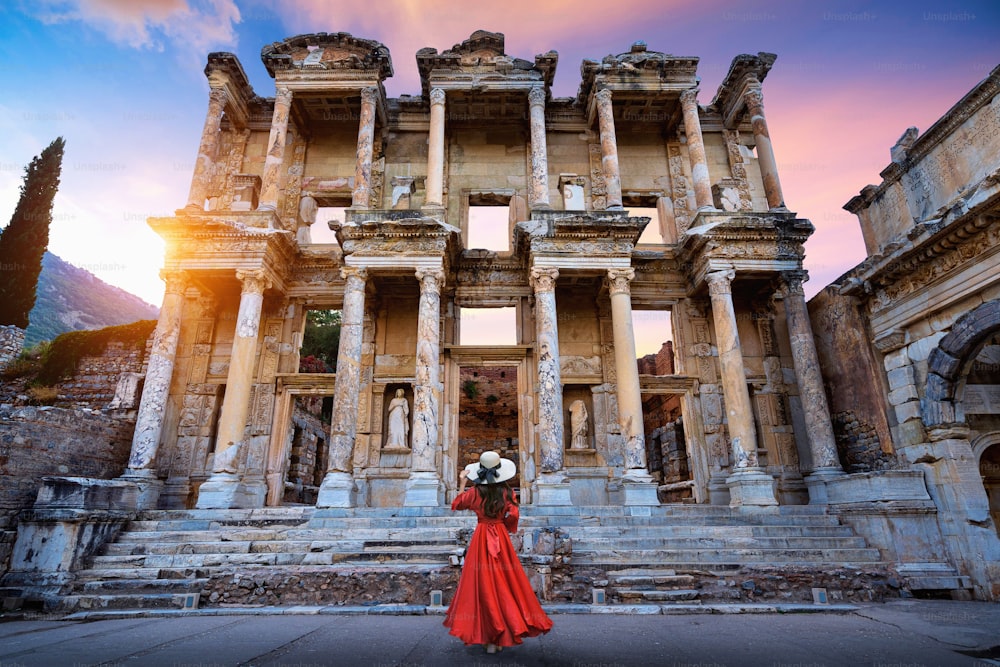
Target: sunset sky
[(122, 82)]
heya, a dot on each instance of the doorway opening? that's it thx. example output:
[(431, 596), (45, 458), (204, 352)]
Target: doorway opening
[(488, 415)]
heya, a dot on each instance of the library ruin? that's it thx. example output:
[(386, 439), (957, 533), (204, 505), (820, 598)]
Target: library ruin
[(633, 198)]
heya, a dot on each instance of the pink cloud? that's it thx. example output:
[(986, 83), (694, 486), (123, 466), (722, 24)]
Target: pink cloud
[(142, 24)]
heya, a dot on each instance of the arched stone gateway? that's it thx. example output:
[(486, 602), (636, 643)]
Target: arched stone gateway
[(950, 361)]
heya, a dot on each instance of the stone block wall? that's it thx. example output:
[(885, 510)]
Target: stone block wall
[(11, 343), (851, 376), (96, 378), (36, 442)]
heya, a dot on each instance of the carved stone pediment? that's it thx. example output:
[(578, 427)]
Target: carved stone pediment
[(396, 232), (323, 51)]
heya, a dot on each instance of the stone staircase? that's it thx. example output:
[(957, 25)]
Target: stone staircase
[(676, 554)]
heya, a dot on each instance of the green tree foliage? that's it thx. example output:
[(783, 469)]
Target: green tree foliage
[(25, 239), (320, 342)]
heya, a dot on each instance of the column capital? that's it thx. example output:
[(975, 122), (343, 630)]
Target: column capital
[(253, 281), (720, 282), (536, 97), (792, 283), (619, 280), (218, 95), (753, 97), (176, 281), (369, 95), (603, 96), (283, 94), (430, 279), (437, 96), (689, 96), (544, 280), (357, 273)]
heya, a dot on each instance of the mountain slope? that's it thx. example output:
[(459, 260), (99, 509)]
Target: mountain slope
[(70, 298)]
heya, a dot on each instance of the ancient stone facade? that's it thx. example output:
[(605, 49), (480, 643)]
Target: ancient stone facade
[(913, 376), (215, 427), (214, 423)]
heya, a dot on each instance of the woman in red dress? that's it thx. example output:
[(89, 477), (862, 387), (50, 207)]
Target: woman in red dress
[(494, 603)]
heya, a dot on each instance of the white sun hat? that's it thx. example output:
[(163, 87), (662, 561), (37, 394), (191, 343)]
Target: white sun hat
[(491, 469)]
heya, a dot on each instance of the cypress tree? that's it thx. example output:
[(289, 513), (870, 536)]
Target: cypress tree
[(25, 239)]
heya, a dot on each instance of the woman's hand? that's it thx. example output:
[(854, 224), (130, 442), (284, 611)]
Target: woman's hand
[(463, 475)]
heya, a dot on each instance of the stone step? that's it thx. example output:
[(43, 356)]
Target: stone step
[(424, 554), (87, 601), (279, 547), (292, 535), (139, 585), (711, 531), (141, 573), (648, 582), (693, 557), (628, 595), (587, 543)]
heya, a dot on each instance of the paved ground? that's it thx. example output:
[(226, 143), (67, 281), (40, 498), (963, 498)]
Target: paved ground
[(897, 634)]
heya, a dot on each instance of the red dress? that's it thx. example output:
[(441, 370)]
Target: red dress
[(494, 603)]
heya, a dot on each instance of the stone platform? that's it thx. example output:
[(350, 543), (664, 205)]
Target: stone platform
[(674, 554)]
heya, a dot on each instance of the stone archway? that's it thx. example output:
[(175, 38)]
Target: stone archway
[(987, 451), (949, 361)]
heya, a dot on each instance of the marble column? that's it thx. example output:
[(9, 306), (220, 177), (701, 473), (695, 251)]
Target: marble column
[(538, 191), (552, 486), (224, 489), (275, 151), (696, 150), (609, 149), (819, 428), (754, 99), (361, 197), (748, 485), (208, 150), (435, 152), (337, 489), (639, 486), (155, 391), (424, 488)]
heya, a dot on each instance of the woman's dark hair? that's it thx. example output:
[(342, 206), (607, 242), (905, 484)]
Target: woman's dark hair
[(495, 498)]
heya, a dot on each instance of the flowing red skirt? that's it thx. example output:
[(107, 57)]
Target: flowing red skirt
[(494, 602)]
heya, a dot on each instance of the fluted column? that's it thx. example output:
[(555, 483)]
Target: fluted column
[(696, 150), (747, 485), (819, 428), (155, 390), (275, 151), (435, 151), (539, 189), (639, 486), (208, 149), (361, 197), (337, 489), (424, 486), (609, 149), (754, 99), (551, 486), (222, 490)]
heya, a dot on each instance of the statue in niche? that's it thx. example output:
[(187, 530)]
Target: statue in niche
[(579, 430), (399, 422)]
